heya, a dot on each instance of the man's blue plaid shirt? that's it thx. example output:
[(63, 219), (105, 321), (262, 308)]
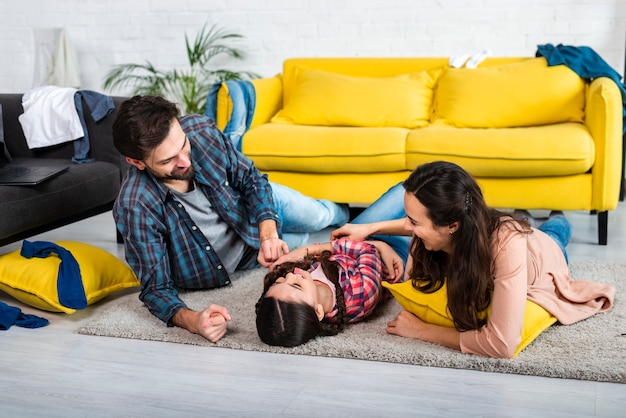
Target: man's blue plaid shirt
[(163, 246)]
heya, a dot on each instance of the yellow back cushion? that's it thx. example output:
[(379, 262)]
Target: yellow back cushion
[(432, 308), (525, 93), (323, 98)]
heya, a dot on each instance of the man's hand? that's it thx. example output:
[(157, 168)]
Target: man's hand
[(211, 323), (271, 249)]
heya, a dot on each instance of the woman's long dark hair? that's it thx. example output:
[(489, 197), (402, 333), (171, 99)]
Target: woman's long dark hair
[(450, 194), (290, 324)]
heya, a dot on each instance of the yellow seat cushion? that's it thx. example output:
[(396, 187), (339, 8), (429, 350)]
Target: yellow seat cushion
[(432, 308), (328, 99), (525, 93), (34, 281), (322, 149), (537, 151)]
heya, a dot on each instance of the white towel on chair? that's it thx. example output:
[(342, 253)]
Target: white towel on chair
[(50, 116)]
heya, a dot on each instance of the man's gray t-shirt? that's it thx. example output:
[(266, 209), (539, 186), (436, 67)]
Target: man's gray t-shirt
[(225, 241)]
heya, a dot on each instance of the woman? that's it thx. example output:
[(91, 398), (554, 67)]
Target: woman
[(485, 257), (316, 290)]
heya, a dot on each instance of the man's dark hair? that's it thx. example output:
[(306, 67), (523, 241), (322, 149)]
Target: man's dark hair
[(141, 124)]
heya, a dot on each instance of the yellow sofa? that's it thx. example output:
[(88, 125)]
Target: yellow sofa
[(346, 129)]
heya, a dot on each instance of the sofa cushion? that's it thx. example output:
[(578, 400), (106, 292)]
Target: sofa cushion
[(328, 99), (525, 93), (83, 187), (433, 309), (538, 151), (33, 281), (322, 149)]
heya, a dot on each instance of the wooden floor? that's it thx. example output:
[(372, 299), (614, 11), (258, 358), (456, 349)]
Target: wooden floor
[(55, 372)]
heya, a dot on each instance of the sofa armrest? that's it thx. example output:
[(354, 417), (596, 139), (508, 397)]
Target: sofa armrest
[(269, 100), (604, 119)]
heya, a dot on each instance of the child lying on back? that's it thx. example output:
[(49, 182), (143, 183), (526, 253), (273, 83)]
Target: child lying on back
[(316, 290)]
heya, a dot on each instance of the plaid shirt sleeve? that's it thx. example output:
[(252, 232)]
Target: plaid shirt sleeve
[(140, 215), (360, 276)]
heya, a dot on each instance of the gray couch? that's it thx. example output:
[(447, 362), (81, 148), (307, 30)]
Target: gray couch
[(82, 191)]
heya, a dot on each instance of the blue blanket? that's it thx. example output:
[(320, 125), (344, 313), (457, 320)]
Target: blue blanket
[(585, 62)]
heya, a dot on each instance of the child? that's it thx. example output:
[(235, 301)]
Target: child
[(316, 290)]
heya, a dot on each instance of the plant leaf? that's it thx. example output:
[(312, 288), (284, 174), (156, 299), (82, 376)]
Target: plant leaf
[(187, 87)]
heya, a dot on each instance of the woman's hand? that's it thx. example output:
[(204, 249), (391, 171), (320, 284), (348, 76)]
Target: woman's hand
[(351, 231), (406, 325), (410, 326)]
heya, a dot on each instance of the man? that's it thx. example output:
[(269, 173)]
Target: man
[(192, 210)]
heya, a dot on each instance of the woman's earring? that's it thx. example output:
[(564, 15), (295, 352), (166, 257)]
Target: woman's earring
[(451, 232)]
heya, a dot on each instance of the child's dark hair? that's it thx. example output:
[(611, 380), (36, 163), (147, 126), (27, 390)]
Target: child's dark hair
[(290, 324)]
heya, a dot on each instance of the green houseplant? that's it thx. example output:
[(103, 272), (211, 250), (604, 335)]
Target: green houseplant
[(187, 87)]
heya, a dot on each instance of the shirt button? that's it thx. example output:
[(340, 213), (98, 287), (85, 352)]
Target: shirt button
[(225, 183), (227, 282), (219, 267), (180, 206), (208, 248), (194, 227)]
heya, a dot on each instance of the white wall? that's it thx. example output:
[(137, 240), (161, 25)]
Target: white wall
[(107, 32)]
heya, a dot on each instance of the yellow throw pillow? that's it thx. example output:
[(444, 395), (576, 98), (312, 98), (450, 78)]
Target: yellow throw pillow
[(432, 308), (323, 98), (525, 93), (34, 281)]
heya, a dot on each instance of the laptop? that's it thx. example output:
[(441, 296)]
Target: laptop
[(21, 175)]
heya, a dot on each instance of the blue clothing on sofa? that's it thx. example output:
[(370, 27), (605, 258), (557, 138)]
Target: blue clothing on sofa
[(100, 106), (585, 62), (243, 95)]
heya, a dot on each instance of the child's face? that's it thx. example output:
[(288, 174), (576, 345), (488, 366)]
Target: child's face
[(296, 287)]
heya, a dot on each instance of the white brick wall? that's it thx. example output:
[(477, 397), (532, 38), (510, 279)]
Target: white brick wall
[(106, 32)]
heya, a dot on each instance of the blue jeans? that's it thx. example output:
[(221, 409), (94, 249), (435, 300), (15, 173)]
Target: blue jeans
[(387, 207), (302, 214), (560, 230)]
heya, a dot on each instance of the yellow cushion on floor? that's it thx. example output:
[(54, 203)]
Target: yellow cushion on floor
[(432, 308), (33, 281)]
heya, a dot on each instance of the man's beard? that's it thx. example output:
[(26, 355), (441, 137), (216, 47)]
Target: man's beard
[(176, 175)]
